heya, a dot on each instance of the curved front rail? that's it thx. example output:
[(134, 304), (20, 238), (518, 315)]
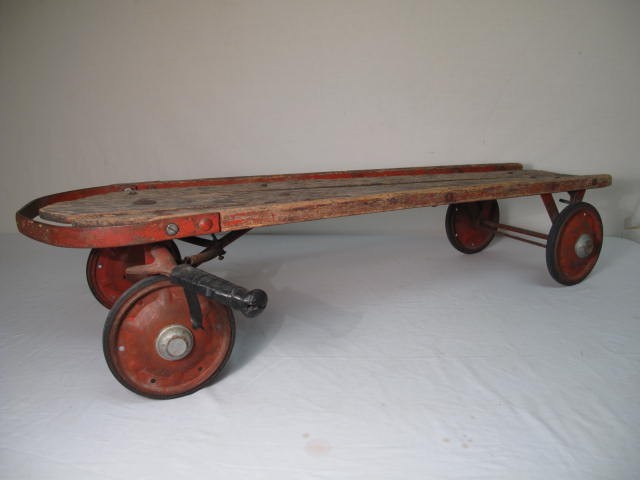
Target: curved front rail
[(109, 236)]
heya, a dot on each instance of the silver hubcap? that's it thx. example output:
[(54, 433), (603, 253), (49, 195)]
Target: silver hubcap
[(584, 245), (174, 342)]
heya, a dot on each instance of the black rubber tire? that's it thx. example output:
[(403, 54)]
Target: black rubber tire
[(475, 212), (564, 265)]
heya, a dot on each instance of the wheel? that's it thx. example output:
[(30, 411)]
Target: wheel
[(151, 346), (574, 243), (463, 224), (106, 269)]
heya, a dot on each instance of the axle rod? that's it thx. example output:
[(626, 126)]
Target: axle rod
[(525, 240), (502, 229), (510, 228), (214, 248)]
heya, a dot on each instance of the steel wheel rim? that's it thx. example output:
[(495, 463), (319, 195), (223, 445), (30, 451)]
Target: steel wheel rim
[(137, 321), (575, 242), (464, 225)]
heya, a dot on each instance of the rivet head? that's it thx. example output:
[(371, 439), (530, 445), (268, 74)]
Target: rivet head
[(205, 224), (172, 229)]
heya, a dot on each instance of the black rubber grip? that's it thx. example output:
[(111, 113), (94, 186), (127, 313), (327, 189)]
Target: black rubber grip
[(250, 303)]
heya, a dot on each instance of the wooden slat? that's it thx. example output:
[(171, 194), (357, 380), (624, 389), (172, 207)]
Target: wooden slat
[(286, 199), (157, 201), (334, 175), (252, 217)]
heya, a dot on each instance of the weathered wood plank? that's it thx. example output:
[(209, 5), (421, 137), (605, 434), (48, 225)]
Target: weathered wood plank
[(286, 199), (252, 217), (113, 207)]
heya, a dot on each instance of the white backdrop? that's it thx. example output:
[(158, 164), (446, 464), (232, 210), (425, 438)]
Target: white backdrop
[(102, 92)]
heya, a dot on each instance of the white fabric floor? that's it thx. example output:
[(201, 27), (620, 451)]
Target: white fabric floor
[(378, 358)]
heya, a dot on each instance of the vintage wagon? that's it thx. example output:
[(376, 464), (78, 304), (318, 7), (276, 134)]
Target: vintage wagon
[(170, 329)]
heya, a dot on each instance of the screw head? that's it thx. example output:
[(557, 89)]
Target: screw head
[(172, 229)]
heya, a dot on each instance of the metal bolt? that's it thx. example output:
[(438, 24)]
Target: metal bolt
[(172, 229), (584, 245), (174, 342)]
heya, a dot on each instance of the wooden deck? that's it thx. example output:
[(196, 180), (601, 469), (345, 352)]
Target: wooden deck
[(247, 202)]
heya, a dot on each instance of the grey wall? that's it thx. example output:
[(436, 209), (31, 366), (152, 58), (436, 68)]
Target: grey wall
[(101, 92)]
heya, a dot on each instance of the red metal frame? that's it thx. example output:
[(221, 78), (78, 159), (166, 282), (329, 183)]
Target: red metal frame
[(550, 205), (188, 226), (575, 196)]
